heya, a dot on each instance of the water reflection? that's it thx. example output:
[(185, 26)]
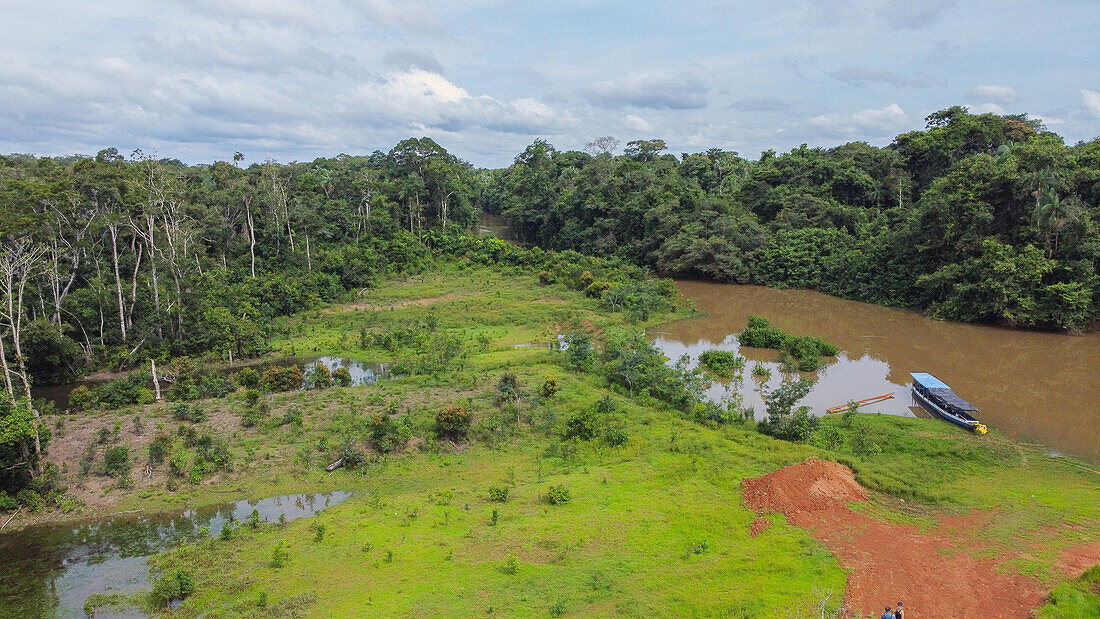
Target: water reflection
[(50, 570), (1042, 387)]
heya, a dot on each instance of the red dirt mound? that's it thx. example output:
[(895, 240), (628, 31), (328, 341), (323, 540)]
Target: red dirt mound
[(932, 573)]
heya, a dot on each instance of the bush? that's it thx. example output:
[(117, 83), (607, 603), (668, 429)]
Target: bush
[(508, 389), (549, 387), (293, 417), (452, 422), (280, 554), (31, 500), (783, 421), (82, 398), (7, 502), (215, 386), (188, 412), (583, 425), (498, 494), (252, 416), (116, 461), (615, 437), (175, 585), (248, 378), (606, 405), (320, 377), (158, 449), (579, 354), (722, 362), (342, 377), (383, 433), (557, 495)]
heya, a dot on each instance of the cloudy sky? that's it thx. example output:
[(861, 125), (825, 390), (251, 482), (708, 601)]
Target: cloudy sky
[(296, 79)]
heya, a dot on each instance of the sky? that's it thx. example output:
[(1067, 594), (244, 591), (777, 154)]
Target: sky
[(292, 80)]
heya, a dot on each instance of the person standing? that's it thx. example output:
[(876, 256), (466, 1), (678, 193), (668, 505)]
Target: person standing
[(900, 612), (888, 614)]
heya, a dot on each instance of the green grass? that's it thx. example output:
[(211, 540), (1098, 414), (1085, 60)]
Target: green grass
[(1078, 598), (653, 527)]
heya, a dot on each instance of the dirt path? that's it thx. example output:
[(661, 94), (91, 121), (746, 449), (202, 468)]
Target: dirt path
[(931, 573)]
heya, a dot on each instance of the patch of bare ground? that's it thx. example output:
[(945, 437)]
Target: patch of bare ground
[(758, 526), (933, 573), (1075, 560), (377, 307)]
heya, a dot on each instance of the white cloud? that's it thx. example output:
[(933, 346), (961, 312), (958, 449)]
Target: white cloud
[(1001, 94), (1092, 102), (639, 124), (649, 89), (875, 123), (987, 108)]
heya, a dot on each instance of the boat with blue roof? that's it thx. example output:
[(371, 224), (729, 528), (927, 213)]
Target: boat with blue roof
[(937, 397)]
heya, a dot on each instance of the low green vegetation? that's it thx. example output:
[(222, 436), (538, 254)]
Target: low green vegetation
[(799, 352), (1077, 598), (517, 476), (723, 363)]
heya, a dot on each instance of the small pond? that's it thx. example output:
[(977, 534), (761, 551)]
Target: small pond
[(50, 570)]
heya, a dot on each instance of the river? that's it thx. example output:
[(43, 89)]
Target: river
[(1031, 386)]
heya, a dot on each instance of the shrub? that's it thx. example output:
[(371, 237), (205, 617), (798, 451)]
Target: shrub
[(342, 377), (452, 422), (7, 502), (188, 412), (82, 398), (116, 461), (215, 386), (783, 421), (722, 362), (175, 585), (549, 387), (293, 416), (582, 425), (615, 437), (579, 354), (383, 433), (606, 405), (557, 495), (252, 396), (498, 494), (320, 377), (252, 416), (158, 449), (508, 389), (280, 554), (248, 378)]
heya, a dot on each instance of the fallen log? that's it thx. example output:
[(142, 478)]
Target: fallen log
[(335, 465)]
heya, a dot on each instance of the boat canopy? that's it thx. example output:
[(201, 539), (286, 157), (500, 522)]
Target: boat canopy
[(928, 381), (939, 390), (952, 401)]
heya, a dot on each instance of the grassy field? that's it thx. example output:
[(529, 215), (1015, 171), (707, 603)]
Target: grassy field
[(654, 522)]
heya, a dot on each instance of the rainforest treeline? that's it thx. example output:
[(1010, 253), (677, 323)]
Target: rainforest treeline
[(978, 218), (113, 259)]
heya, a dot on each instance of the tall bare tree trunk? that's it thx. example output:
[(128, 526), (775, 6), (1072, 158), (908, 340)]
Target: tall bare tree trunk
[(251, 233), (113, 229)]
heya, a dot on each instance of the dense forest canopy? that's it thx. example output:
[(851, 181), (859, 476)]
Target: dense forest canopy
[(111, 260), (978, 218)]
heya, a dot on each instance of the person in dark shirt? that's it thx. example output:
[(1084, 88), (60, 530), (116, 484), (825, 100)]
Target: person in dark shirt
[(900, 612)]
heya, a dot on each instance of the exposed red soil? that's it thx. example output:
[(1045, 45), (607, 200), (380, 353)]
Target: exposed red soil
[(931, 573), (1076, 560), (758, 526)]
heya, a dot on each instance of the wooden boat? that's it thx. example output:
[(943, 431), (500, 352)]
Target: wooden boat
[(840, 408), (937, 397)]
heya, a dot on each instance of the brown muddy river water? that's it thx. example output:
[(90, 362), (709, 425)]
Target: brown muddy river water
[(1032, 387)]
